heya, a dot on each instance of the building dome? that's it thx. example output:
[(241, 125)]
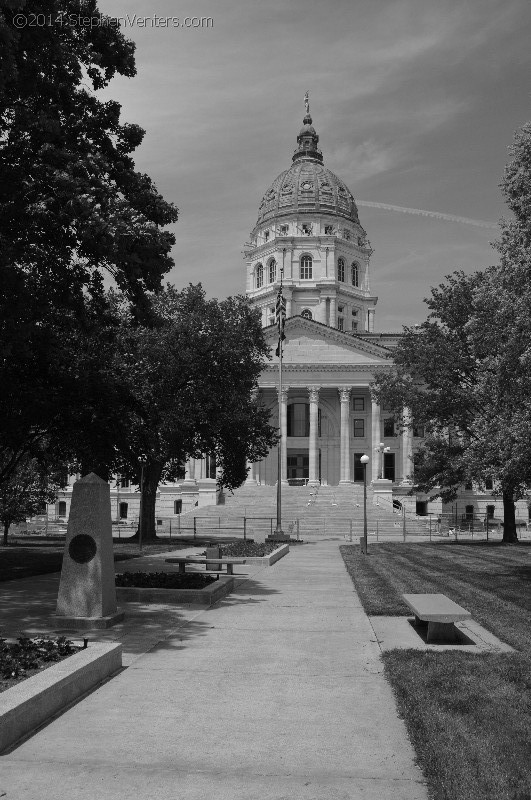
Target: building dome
[(307, 187)]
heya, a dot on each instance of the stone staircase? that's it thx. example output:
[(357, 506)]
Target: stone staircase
[(310, 511)]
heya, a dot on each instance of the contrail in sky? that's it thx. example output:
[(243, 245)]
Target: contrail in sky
[(479, 223)]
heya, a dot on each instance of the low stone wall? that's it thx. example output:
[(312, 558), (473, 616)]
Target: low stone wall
[(267, 561), (29, 704), (207, 596)]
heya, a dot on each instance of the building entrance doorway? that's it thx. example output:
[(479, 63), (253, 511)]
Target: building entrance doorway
[(298, 465)]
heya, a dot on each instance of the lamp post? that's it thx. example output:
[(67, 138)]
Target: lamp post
[(363, 542), (381, 449)]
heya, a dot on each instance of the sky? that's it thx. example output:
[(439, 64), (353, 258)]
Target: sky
[(415, 102)]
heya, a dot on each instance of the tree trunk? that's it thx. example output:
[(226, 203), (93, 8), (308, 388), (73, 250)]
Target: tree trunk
[(6, 531), (152, 473), (509, 521)]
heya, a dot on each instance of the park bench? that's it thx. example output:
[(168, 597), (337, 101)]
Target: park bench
[(227, 562), (440, 613)]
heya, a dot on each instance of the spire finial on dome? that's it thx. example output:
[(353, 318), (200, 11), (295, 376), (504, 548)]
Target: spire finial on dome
[(307, 138)]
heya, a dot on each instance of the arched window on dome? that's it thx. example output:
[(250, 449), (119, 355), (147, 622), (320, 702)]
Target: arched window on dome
[(272, 270), (259, 276), (341, 270), (355, 273), (306, 271), (306, 313)]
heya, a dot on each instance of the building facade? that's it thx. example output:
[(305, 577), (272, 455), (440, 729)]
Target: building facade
[(309, 236)]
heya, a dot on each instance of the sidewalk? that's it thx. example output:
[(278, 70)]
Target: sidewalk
[(275, 693)]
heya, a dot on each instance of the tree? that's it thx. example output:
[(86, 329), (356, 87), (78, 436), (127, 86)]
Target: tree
[(465, 372), (29, 488), (190, 380), (72, 205)]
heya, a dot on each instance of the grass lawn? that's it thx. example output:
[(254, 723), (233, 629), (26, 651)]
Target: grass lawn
[(468, 715)]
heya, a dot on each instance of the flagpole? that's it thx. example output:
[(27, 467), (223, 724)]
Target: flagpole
[(278, 529), (280, 313)]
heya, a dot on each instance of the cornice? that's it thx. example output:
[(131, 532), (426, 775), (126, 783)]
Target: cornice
[(318, 367)]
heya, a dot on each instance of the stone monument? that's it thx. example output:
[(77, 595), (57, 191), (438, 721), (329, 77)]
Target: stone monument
[(87, 591)]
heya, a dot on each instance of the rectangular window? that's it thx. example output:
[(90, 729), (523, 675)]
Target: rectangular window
[(210, 463), (266, 235), (389, 466), (469, 513), (298, 419), (358, 468), (283, 230), (488, 484), (354, 326), (340, 323), (389, 427), (124, 508), (490, 512), (358, 403), (421, 508), (359, 428), (177, 506)]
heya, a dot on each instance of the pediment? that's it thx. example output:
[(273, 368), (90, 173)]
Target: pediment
[(311, 342)]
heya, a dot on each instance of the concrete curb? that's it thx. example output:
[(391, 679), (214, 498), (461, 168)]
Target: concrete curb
[(207, 596), (267, 561), (32, 702)]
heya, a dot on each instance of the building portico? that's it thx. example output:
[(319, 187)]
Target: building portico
[(327, 417)]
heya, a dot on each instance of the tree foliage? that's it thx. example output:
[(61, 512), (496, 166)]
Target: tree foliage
[(72, 207), (188, 384), (29, 487), (465, 372)]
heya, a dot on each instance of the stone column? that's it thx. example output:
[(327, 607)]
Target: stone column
[(407, 449), (344, 458), (314, 423), (283, 424), (189, 472), (250, 475), (375, 438), (333, 312), (320, 314), (370, 319), (288, 294)]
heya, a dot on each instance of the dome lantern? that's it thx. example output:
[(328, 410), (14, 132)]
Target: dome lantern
[(307, 139)]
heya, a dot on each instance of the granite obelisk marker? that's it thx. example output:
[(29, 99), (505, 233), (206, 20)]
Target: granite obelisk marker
[(87, 592)]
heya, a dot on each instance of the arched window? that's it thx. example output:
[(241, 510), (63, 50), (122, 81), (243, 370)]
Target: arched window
[(306, 268), (259, 276), (123, 510), (341, 269), (307, 314), (355, 270), (272, 271)]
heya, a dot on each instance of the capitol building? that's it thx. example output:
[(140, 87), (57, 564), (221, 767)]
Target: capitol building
[(309, 236)]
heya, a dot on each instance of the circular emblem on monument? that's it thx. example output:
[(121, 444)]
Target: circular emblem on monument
[(82, 548)]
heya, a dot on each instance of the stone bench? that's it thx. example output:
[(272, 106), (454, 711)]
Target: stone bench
[(227, 562), (440, 613)]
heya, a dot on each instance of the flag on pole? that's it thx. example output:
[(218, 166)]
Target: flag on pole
[(280, 318)]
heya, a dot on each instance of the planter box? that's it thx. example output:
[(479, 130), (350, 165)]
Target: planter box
[(267, 561), (207, 596), (29, 704)]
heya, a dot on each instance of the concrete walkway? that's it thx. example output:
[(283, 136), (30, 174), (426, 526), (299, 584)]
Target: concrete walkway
[(276, 693)]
